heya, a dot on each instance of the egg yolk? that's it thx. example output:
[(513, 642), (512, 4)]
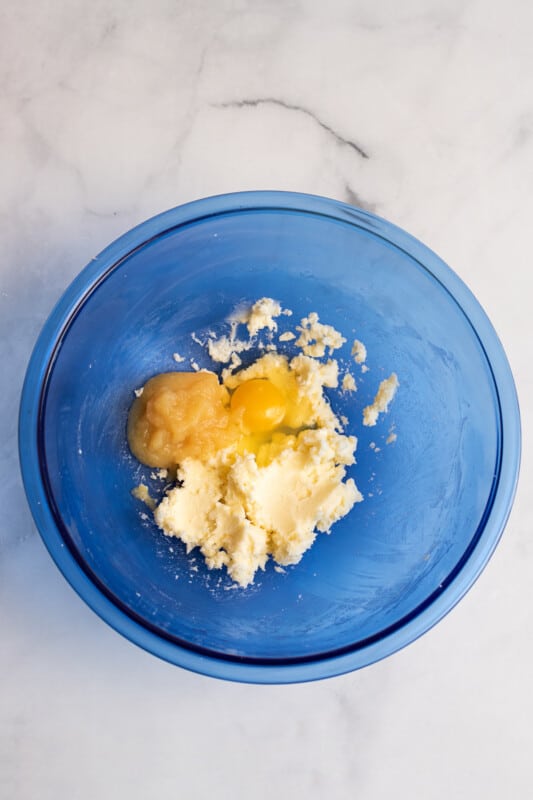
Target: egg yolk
[(260, 405)]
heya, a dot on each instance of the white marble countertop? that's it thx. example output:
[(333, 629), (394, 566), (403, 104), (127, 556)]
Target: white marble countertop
[(113, 111)]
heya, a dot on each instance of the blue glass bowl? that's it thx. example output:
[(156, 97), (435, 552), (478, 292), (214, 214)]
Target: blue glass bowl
[(436, 500)]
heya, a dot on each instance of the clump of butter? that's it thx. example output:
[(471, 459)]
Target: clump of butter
[(270, 493), (315, 337), (277, 475), (239, 512), (385, 394), (261, 315), (359, 352), (257, 317), (348, 383)]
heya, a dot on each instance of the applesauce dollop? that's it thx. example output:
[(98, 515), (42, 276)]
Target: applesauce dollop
[(180, 415)]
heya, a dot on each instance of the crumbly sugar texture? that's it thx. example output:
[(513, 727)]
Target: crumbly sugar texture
[(359, 352), (261, 315), (348, 383), (224, 349), (315, 337), (288, 336), (385, 394)]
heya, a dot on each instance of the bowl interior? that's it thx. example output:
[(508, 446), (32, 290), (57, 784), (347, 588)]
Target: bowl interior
[(426, 494)]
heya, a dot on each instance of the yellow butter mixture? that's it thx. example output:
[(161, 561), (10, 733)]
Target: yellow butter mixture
[(259, 454)]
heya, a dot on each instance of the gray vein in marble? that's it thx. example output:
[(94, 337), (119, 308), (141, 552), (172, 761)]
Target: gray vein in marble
[(100, 214), (272, 101), (109, 29), (355, 199), (523, 134), (203, 57), (185, 132), (43, 150)]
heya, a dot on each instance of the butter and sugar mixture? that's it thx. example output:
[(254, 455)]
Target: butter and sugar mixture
[(260, 456)]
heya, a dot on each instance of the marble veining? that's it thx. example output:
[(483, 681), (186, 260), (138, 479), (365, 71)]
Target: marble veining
[(355, 199), (271, 101)]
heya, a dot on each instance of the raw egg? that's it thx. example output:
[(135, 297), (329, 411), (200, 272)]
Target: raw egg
[(260, 405)]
